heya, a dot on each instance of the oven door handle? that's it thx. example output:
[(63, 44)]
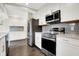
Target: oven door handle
[(50, 39)]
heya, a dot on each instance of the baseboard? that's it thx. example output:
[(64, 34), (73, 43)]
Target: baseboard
[(16, 43), (17, 40)]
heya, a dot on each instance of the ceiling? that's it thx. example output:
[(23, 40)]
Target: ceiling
[(35, 6), (32, 6)]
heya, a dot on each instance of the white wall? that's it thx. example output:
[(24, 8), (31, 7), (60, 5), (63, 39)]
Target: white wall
[(3, 19), (18, 16)]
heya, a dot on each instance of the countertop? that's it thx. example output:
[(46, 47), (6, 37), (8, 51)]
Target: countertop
[(73, 35), (2, 34)]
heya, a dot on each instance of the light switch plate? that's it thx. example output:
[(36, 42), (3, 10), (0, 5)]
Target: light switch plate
[(72, 28)]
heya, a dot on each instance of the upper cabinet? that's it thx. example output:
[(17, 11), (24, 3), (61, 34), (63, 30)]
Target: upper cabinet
[(69, 11), (55, 7)]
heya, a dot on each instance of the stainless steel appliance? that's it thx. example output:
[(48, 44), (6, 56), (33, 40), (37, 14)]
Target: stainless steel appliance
[(49, 40), (49, 43), (32, 28), (54, 17)]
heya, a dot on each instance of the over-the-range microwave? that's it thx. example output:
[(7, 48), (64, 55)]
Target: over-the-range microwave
[(55, 17)]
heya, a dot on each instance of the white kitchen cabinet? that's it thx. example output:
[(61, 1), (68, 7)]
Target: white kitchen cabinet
[(59, 44), (2, 46), (69, 11), (38, 39), (70, 50), (56, 7), (67, 46), (42, 20)]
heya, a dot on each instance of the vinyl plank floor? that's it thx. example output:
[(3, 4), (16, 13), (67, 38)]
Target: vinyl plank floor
[(21, 48)]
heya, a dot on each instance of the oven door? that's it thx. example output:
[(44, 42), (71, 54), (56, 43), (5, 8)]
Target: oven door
[(48, 46)]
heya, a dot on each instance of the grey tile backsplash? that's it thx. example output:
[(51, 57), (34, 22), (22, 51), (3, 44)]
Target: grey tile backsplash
[(69, 27), (73, 27), (48, 27)]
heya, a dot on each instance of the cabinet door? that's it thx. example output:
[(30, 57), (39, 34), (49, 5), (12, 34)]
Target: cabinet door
[(69, 49), (38, 40), (67, 46), (59, 46), (2, 47), (69, 11), (56, 7), (42, 20)]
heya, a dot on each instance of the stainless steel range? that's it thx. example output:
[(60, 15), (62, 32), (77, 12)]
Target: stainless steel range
[(49, 40), (49, 43)]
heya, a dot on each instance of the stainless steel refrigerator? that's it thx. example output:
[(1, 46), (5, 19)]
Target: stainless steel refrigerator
[(32, 28)]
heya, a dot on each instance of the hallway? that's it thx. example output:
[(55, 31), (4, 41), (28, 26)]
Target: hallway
[(21, 48)]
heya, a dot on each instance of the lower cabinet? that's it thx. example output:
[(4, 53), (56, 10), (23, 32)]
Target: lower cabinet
[(38, 36), (70, 50), (2, 46), (59, 46), (67, 47)]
